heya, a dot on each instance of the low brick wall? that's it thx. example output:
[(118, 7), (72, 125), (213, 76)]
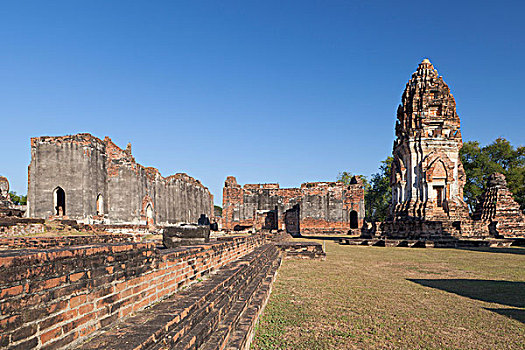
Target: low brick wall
[(52, 298), (302, 250), (125, 228), (12, 226), (36, 242)]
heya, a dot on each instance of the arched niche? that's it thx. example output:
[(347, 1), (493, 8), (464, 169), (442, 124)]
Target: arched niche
[(100, 204)]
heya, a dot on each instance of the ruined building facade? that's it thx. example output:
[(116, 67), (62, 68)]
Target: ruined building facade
[(90, 180), (498, 210), (314, 208), (5, 199), (427, 175), (7, 207)]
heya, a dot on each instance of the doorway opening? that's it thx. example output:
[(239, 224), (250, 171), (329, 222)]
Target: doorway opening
[(59, 197), (100, 205), (354, 222), (439, 191), (149, 215)]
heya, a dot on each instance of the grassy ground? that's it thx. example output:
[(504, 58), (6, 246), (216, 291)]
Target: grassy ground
[(398, 298)]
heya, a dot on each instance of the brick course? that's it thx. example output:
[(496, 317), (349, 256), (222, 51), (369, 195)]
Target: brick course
[(51, 298)]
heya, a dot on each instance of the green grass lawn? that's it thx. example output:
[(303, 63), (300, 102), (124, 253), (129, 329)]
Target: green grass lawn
[(398, 298)]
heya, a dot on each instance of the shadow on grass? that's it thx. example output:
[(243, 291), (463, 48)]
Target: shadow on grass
[(516, 314), (501, 292), (519, 251)]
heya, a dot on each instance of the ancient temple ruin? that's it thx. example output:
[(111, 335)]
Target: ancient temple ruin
[(427, 174), (90, 180), (7, 207), (5, 200), (314, 208), (498, 210)]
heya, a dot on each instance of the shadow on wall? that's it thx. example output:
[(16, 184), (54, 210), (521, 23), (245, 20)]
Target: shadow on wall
[(502, 292)]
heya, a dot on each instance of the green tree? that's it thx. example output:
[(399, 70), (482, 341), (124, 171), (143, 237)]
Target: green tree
[(499, 156), (379, 195), (377, 192), (345, 177), (16, 199), (217, 210)]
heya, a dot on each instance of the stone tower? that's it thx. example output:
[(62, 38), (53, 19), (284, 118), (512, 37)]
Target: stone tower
[(427, 175), (498, 208)]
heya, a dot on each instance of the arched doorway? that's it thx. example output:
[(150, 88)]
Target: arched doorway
[(354, 222), (59, 199), (149, 214), (100, 205)]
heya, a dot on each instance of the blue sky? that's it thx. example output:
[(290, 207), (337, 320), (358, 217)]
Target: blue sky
[(267, 91)]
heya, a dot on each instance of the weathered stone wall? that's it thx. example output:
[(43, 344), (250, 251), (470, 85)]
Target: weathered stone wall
[(50, 299), (314, 208), (103, 184)]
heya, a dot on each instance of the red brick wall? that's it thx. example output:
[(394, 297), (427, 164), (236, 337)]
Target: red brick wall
[(51, 298), (325, 207), (32, 242)]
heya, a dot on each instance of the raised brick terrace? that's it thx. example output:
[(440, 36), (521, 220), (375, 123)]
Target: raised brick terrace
[(56, 298)]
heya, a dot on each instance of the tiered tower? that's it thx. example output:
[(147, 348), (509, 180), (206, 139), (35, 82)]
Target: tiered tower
[(427, 175), (498, 208)]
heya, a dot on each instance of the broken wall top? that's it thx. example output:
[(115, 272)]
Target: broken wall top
[(115, 156)]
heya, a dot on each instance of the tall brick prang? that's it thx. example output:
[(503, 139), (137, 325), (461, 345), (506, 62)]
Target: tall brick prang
[(427, 174)]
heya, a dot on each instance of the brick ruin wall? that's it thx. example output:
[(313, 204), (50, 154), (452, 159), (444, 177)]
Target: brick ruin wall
[(33, 242), (314, 208), (53, 299), (104, 184)]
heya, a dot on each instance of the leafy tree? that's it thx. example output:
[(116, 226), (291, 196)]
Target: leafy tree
[(345, 177), (499, 156), (379, 195), (217, 210), (16, 199)]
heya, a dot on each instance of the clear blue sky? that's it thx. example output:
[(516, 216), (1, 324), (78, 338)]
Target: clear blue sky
[(268, 91)]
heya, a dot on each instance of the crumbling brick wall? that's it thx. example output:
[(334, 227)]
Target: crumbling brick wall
[(319, 207), (52, 298), (103, 183)]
